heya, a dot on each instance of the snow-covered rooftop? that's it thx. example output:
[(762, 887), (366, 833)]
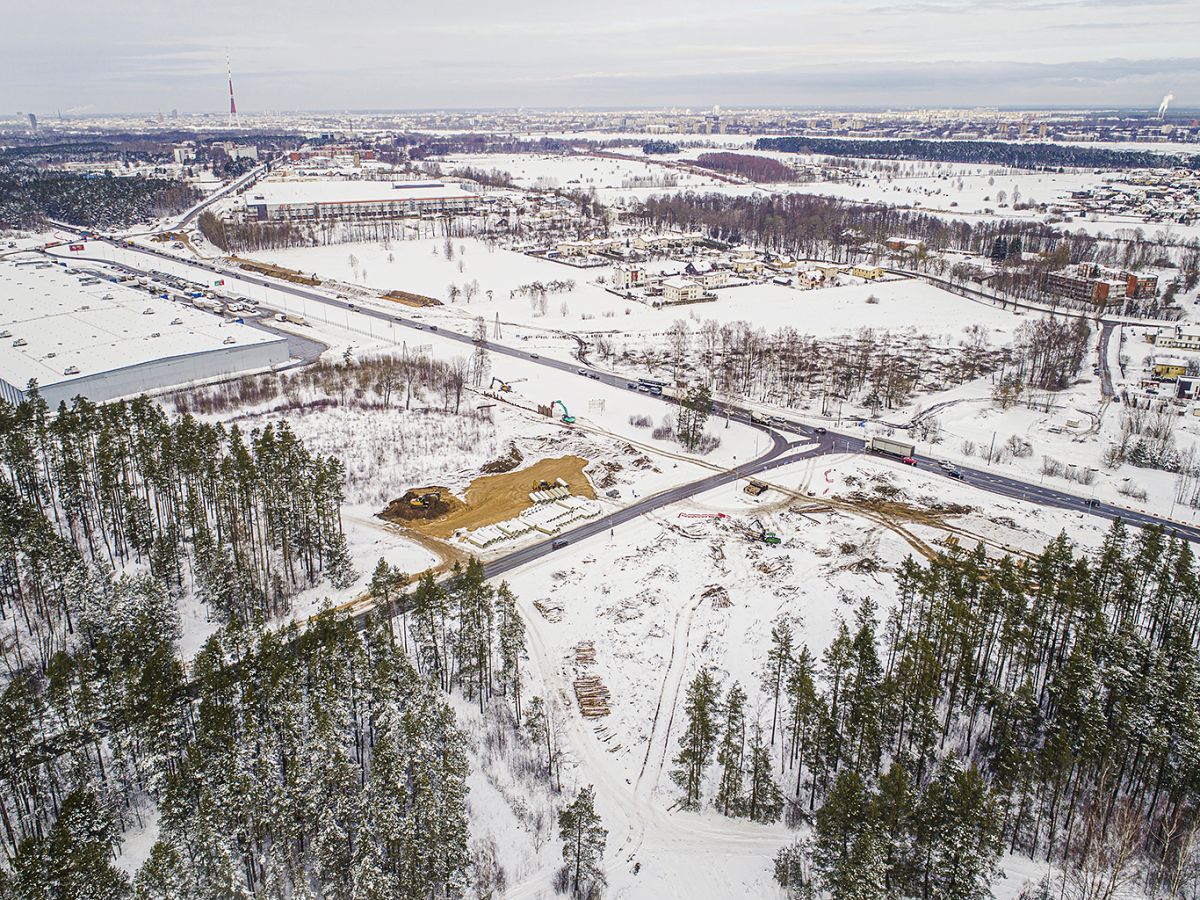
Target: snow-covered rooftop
[(331, 190), (58, 324)]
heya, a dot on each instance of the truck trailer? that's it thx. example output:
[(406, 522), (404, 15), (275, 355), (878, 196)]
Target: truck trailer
[(877, 444)]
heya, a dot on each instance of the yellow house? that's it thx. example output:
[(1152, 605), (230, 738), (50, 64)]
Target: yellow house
[(871, 273), (1169, 368)]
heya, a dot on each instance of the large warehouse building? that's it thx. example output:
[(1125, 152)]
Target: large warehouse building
[(289, 201), (78, 335)]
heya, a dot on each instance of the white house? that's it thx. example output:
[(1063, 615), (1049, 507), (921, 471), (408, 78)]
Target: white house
[(681, 290), (626, 277)]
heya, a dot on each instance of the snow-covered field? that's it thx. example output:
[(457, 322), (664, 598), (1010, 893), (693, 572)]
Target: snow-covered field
[(421, 267)]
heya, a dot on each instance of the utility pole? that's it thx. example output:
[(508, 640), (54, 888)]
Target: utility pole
[(991, 448)]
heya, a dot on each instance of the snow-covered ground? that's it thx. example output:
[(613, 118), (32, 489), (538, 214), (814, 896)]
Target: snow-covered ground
[(674, 591), (421, 267), (963, 191)]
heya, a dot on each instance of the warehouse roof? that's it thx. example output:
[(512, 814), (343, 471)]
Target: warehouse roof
[(53, 324), (274, 193)]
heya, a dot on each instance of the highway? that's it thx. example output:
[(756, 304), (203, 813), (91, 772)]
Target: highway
[(824, 443)]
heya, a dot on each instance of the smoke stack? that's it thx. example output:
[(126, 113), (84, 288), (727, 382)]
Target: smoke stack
[(1162, 107)]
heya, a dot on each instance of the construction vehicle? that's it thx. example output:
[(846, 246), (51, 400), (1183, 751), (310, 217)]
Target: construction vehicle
[(903, 449), (504, 385), (567, 418), (422, 501), (767, 537), (755, 488)]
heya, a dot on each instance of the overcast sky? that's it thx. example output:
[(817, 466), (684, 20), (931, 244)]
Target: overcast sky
[(150, 55)]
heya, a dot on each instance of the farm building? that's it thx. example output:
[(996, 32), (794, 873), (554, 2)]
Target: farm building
[(104, 340)]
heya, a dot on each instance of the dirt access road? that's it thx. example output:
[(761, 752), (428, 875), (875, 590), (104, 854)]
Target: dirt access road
[(495, 498)]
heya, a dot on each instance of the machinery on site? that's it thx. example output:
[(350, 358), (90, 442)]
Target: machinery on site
[(567, 418), (504, 385), (757, 531), (422, 501), (767, 537)]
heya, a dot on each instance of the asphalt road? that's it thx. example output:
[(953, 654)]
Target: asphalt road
[(829, 442), (218, 194), (1106, 382)]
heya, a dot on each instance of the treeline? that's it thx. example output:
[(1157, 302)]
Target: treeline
[(248, 237), (384, 381), (788, 367), (29, 196), (247, 520), (813, 227), (497, 178), (1048, 706), (755, 168), (240, 237), (995, 153)]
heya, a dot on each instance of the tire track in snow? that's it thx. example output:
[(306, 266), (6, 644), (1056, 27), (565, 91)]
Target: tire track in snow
[(672, 680)]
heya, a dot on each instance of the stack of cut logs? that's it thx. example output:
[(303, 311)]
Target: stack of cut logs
[(589, 689)]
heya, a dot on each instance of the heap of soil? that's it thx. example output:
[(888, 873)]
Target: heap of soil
[(492, 498), (409, 299), (510, 460), (403, 509), (275, 271)]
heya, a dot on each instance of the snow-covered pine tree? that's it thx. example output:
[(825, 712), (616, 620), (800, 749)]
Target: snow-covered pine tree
[(584, 839), (699, 737)]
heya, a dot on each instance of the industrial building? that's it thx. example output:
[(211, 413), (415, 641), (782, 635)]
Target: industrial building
[(76, 334), (289, 201)]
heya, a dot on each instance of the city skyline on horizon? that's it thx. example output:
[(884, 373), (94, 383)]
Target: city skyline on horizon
[(860, 54)]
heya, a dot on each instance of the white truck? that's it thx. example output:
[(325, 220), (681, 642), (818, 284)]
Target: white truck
[(877, 444)]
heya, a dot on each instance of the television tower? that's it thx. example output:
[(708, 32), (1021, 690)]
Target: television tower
[(233, 116)]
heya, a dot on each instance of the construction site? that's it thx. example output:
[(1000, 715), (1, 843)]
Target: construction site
[(542, 498)]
